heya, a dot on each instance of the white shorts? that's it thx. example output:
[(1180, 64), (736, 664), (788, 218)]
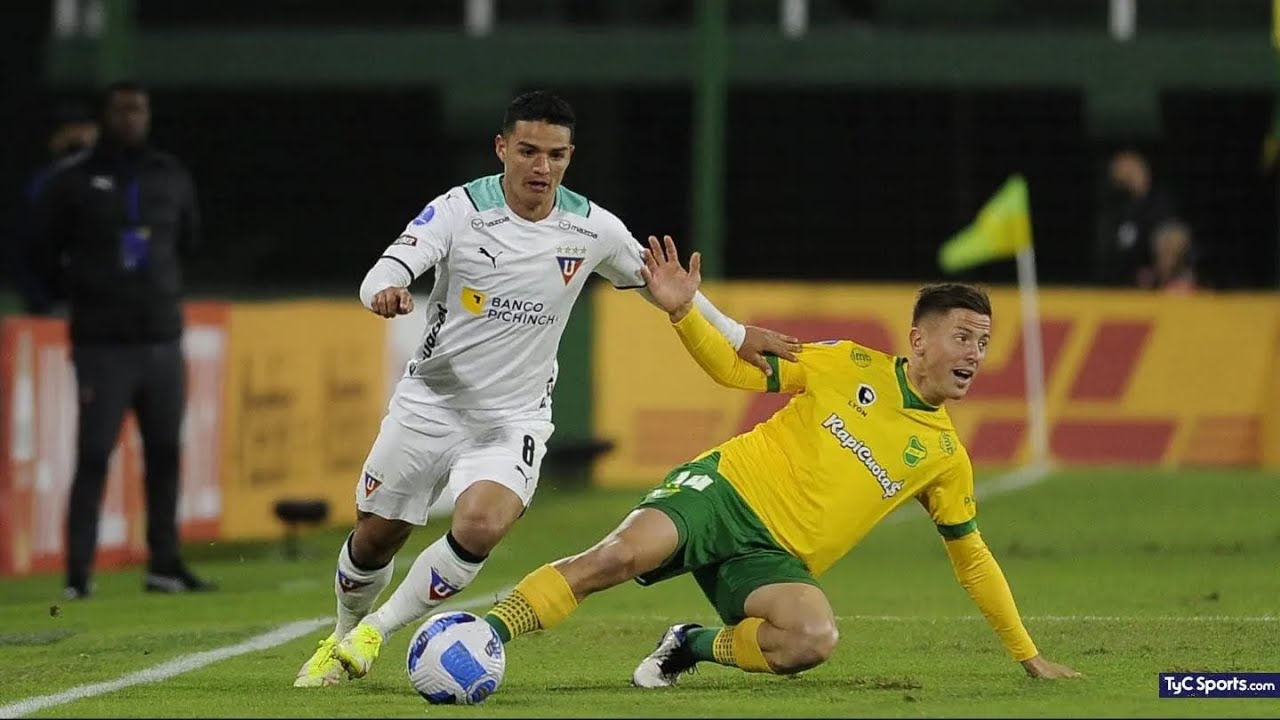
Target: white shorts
[(413, 461)]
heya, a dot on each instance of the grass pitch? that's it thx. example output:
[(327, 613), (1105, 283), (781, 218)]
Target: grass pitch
[(1120, 574)]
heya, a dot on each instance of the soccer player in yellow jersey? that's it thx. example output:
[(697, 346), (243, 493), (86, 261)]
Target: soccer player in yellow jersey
[(759, 518)]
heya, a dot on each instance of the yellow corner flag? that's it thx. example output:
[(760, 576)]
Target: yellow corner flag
[(1002, 230)]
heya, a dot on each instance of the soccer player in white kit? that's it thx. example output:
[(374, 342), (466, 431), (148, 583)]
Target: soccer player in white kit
[(472, 413)]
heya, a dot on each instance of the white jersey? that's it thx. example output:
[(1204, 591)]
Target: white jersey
[(503, 292)]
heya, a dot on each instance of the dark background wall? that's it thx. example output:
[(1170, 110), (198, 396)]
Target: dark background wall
[(303, 183), (302, 189)]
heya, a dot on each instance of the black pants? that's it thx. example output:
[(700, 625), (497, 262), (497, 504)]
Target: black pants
[(150, 379)]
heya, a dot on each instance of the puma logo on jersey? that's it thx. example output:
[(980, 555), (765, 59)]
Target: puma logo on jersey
[(492, 258), (439, 588), (523, 474)]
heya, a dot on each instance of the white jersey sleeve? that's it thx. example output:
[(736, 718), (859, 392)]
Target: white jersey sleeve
[(621, 266), (427, 238)]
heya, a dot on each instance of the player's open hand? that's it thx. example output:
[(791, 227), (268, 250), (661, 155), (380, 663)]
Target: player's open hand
[(671, 286), (393, 301), (762, 341), (1038, 667)]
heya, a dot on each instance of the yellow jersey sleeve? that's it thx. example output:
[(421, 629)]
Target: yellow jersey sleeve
[(984, 581), (949, 499), (718, 359)]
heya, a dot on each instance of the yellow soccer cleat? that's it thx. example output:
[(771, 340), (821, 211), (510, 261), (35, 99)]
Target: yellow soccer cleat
[(358, 649), (322, 669)]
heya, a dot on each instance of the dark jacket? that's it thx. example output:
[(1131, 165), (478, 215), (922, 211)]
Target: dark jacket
[(1126, 229), (111, 230)]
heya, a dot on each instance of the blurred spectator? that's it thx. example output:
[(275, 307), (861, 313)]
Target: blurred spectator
[(1132, 208), (74, 131), (111, 228), (1173, 254)]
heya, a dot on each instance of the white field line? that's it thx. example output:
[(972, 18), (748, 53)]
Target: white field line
[(195, 661)]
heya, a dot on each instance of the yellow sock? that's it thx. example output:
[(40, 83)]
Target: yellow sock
[(739, 646), (542, 600)]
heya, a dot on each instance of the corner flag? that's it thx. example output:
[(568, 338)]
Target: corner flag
[(1002, 230)]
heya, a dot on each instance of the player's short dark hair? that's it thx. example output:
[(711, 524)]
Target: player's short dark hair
[(120, 86), (539, 105), (941, 298)]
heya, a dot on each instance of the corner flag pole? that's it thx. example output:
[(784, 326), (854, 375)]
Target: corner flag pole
[(1033, 357)]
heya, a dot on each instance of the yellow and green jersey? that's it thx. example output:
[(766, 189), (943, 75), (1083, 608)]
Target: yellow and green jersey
[(855, 442)]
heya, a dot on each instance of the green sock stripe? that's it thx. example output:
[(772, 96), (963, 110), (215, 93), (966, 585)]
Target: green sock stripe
[(495, 622), (702, 642)]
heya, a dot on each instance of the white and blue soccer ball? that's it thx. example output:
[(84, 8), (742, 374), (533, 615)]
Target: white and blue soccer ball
[(455, 658)]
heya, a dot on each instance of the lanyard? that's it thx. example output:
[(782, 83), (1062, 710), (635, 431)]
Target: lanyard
[(132, 202)]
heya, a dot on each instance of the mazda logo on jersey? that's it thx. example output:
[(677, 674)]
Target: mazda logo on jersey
[(570, 227)]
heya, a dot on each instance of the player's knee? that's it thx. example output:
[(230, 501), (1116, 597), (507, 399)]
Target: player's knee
[(808, 646), (479, 530), (375, 540)]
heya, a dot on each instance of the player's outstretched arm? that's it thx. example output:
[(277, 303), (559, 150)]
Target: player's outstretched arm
[(753, 344), (981, 577), (673, 289), (385, 288)]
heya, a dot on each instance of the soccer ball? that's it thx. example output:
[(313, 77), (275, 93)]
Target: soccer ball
[(456, 658)]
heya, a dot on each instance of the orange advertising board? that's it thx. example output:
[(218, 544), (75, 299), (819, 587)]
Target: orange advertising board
[(305, 394), (38, 447), (1131, 377)]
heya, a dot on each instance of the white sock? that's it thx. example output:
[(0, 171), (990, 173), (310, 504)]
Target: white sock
[(436, 575), (357, 589)]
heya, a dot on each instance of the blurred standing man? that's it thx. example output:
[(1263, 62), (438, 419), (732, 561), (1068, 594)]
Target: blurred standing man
[(110, 231)]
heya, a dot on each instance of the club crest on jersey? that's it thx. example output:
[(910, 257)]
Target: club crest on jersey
[(914, 452), (439, 588), (569, 266), (371, 483), (347, 584)]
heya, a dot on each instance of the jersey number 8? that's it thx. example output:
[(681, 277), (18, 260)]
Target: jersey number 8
[(527, 453)]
